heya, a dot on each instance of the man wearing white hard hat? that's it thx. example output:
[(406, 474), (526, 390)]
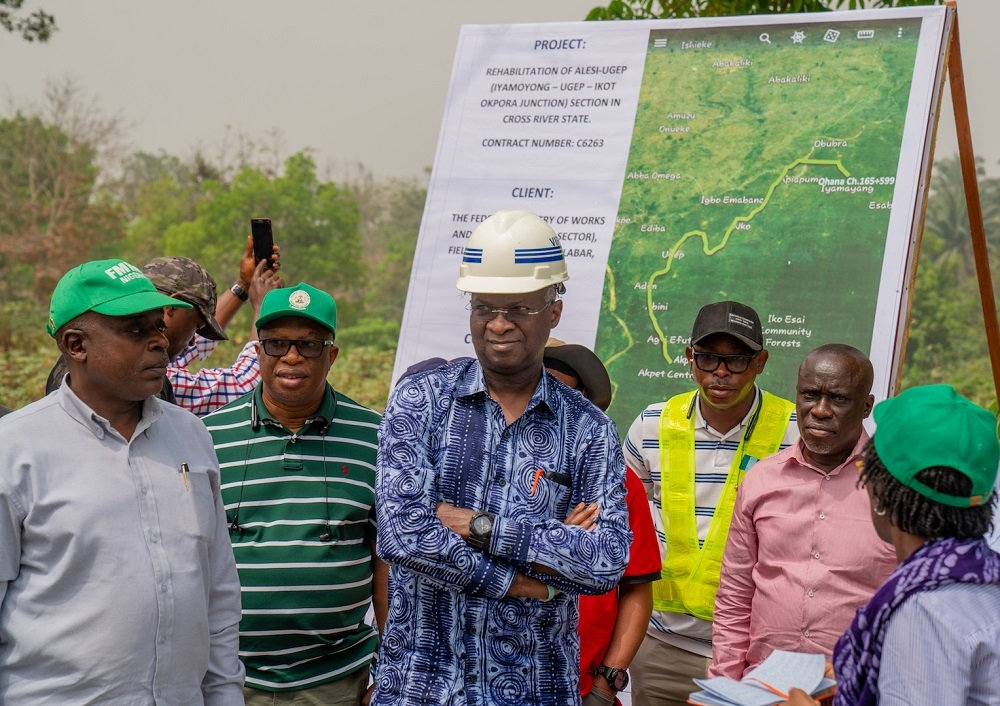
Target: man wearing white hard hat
[(501, 496)]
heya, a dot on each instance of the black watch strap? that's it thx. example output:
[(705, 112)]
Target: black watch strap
[(479, 538), (239, 292), (616, 678)]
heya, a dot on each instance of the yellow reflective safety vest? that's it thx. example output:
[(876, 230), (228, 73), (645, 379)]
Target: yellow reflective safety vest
[(690, 575)]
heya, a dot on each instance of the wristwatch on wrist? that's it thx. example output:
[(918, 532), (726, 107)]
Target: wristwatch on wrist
[(480, 529), (617, 678), (239, 292)]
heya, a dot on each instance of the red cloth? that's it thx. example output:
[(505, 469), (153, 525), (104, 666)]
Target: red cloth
[(599, 613)]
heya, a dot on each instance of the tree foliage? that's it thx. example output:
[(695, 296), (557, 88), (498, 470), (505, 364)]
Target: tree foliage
[(52, 213), (35, 26), (947, 342), (315, 223), (663, 9)]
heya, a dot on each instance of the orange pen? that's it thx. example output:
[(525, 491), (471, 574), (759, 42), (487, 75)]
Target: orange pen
[(534, 486)]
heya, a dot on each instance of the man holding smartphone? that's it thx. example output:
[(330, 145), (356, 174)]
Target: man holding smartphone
[(208, 389)]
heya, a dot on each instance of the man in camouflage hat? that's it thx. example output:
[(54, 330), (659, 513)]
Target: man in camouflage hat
[(192, 332)]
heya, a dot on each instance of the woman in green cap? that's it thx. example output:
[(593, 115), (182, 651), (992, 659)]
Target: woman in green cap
[(931, 633)]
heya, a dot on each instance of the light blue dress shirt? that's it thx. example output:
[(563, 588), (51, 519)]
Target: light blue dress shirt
[(942, 648), (117, 579)]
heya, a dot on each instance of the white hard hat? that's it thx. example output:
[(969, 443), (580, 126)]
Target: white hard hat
[(512, 252)]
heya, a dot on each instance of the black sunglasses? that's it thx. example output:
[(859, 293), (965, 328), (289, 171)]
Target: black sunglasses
[(307, 347)]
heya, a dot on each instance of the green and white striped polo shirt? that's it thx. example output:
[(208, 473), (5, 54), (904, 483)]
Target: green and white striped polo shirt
[(305, 507)]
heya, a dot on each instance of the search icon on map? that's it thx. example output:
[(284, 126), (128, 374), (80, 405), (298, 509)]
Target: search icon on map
[(765, 37)]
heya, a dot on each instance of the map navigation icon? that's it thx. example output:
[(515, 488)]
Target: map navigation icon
[(831, 35)]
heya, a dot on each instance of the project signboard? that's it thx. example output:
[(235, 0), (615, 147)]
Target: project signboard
[(776, 160)]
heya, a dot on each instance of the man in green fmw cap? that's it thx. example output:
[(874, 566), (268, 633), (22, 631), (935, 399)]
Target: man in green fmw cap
[(193, 331), (117, 584), (298, 475)]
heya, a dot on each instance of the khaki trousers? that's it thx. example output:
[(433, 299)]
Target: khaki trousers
[(661, 674), (347, 691)]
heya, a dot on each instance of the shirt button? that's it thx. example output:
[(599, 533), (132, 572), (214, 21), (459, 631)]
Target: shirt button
[(152, 538), (472, 630), (501, 482), (472, 679), (162, 640), (163, 588), (811, 593), (815, 555), (143, 490), (293, 440), (828, 477), (822, 515), (806, 633)]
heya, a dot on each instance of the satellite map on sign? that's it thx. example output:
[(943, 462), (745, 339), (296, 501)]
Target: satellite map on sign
[(762, 168)]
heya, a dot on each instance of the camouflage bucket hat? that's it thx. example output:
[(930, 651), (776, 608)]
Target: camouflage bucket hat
[(185, 279)]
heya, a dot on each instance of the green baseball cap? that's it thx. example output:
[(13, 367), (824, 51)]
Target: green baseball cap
[(109, 287), (302, 300), (933, 425)]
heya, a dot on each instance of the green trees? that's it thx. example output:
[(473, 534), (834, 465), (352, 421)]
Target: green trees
[(65, 198), (52, 214), (315, 223), (35, 26), (653, 9), (947, 342)]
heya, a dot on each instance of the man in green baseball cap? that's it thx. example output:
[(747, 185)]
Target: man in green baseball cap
[(110, 287), (298, 476), (110, 515), (193, 331)]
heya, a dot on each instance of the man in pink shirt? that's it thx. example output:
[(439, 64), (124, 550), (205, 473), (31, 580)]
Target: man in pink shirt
[(802, 554)]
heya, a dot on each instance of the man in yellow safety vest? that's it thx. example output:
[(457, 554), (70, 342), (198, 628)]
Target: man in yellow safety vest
[(691, 452)]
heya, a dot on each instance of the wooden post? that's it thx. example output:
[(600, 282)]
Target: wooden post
[(967, 159)]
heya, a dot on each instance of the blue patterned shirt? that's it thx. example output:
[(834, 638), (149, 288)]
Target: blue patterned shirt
[(451, 636)]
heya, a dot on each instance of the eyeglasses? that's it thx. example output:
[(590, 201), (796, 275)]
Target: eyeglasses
[(710, 362), (515, 314), (307, 347)]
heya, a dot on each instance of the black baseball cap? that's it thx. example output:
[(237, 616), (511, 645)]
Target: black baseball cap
[(733, 318)]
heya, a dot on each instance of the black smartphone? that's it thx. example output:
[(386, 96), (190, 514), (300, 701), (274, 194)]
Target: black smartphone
[(263, 239)]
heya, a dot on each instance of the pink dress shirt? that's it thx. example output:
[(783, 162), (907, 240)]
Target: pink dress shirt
[(802, 556)]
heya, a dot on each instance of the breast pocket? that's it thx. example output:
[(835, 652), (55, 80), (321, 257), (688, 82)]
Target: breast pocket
[(198, 504), (550, 495)]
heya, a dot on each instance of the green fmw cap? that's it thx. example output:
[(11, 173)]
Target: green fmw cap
[(933, 425), (109, 287), (302, 300)]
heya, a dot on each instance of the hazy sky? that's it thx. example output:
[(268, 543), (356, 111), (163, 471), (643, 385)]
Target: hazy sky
[(360, 82)]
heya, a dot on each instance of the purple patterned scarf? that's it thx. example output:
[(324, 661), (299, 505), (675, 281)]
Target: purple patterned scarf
[(938, 563)]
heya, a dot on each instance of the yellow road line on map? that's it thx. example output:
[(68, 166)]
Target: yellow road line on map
[(612, 307), (709, 251)]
